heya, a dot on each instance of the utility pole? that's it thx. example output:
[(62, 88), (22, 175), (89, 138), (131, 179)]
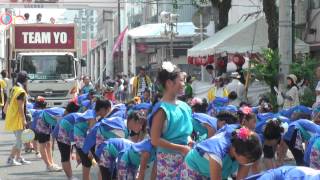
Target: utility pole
[(88, 24), (285, 41), (119, 32)]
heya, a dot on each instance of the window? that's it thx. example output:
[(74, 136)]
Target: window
[(315, 4)]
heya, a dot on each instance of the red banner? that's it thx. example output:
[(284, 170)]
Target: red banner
[(118, 43), (44, 37)]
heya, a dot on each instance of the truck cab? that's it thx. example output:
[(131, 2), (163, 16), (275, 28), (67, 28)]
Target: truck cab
[(53, 75)]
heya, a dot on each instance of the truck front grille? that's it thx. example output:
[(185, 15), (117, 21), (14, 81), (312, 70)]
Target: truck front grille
[(54, 94)]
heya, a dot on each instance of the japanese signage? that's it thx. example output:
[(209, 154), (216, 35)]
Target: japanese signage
[(44, 37)]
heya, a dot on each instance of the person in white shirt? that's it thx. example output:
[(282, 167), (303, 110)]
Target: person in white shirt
[(291, 97), (236, 86), (318, 87)]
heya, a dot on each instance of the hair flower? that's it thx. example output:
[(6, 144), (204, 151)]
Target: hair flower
[(246, 110), (195, 101), (168, 66), (243, 133)]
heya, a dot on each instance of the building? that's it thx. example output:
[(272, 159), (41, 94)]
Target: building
[(2, 44), (307, 20)]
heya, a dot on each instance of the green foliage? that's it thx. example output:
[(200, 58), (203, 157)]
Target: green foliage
[(305, 69), (268, 70)]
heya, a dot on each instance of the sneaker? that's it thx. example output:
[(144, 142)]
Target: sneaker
[(38, 155), (54, 168), (73, 178), (23, 161), (12, 162)]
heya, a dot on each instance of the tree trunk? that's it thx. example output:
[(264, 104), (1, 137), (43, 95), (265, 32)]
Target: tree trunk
[(272, 17), (223, 7)]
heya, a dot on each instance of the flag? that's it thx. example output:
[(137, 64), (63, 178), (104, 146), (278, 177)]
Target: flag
[(119, 40)]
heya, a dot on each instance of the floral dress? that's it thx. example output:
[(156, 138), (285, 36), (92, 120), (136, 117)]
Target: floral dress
[(178, 127)]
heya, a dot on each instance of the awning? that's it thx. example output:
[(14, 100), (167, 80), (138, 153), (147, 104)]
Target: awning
[(248, 36), (185, 29)]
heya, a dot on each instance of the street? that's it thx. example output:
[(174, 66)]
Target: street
[(36, 170)]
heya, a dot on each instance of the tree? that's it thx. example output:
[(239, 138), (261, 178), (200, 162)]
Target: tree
[(272, 16)]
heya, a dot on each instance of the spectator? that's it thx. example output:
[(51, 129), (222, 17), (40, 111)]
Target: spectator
[(291, 97), (146, 98), (218, 90), (188, 91), (141, 82), (39, 17), (236, 86), (120, 90), (26, 18), (5, 87), (233, 99), (125, 85), (318, 87), (210, 71), (16, 117), (87, 85)]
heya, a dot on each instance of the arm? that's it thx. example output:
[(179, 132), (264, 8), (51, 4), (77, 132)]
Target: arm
[(143, 164), (154, 170), (92, 122), (243, 172), (156, 130), (215, 169), (210, 130), (21, 109)]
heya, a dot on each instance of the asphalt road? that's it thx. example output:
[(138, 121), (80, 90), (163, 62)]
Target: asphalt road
[(36, 170)]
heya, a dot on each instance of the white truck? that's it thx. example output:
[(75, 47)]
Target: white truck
[(47, 53)]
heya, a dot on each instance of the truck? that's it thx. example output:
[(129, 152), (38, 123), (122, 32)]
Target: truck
[(47, 52)]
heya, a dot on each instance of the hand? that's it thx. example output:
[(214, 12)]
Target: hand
[(191, 143), (184, 150), (25, 124)]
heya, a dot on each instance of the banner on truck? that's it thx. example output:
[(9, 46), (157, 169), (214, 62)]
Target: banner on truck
[(44, 37)]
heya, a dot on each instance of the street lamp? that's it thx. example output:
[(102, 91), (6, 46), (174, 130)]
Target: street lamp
[(170, 21)]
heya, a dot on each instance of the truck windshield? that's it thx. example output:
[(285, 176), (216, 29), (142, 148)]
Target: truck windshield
[(48, 67)]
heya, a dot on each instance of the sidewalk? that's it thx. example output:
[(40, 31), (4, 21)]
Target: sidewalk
[(34, 171)]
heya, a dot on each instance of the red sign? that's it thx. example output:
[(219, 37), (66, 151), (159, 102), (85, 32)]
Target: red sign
[(44, 37)]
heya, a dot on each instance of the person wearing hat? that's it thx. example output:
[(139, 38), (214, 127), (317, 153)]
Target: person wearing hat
[(291, 97), (141, 82), (16, 117), (236, 86)]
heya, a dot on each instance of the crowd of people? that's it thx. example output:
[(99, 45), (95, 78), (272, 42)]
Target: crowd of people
[(161, 126)]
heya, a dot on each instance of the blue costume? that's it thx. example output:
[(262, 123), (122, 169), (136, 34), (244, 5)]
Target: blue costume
[(109, 150), (107, 128), (81, 126), (130, 159), (63, 131), (295, 109), (288, 173), (176, 129), (312, 153), (217, 147), (198, 121)]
